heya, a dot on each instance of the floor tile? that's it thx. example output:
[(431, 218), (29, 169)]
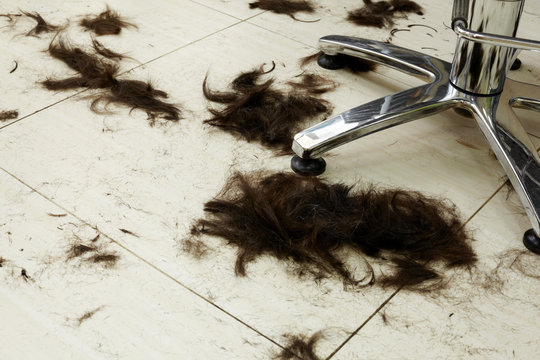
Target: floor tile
[(75, 308)]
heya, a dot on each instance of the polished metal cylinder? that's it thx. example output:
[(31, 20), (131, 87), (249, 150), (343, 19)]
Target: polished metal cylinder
[(480, 68)]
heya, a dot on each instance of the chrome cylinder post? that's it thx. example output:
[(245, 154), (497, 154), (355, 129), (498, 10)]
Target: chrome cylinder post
[(480, 68)]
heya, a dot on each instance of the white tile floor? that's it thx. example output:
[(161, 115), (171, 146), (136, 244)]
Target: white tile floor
[(107, 173)]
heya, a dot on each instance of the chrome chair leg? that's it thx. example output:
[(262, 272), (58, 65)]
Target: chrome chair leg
[(513, 148), (408, 61), (475, 80), (374, 116)]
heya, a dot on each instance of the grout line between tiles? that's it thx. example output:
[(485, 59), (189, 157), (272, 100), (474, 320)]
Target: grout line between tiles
[(42, 109), (484, 204), (353, 334), (190, 43), (224, 13), (162, 272), (277, 33)]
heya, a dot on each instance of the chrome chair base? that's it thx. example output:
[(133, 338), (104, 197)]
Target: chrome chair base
[(493, 114)]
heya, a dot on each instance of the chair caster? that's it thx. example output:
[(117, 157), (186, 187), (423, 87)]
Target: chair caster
[(308, 167), (531, 241), (463, 112), (331, 62), (516, 65)]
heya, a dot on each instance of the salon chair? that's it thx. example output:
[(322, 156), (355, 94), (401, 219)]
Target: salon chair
[(475, 81)]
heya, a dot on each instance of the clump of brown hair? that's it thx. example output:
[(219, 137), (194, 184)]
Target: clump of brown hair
[(93, 72), (109, 22), (312, 84), (92, 254), (87, 315), (306, 220), (41, 27), (195, 247), (352, 63), (8, 115), (106, 259), (257, 111), (100, 49), (138, 95), (300, 346), (381, 14), (77, 250), (412, 275), (407, 6), (287, 7), (97, 73)]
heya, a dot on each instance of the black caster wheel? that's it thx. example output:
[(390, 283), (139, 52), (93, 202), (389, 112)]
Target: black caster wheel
[(463, 112), (331, 62), (516, 65), (308, 167), (531, 241)]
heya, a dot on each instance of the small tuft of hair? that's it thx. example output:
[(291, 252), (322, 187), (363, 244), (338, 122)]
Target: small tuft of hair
[(138, 94), (407, 6), (8, 115), (106, 259), (412, 275), (77, 250), (195, 247), (42, 26), (109, 22), (313, 84), (381, 14), (105, 52), (287, 7), (300, 346), (375, 14), (87, 315)]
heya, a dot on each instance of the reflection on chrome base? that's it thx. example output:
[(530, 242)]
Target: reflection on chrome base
[(481, 89)]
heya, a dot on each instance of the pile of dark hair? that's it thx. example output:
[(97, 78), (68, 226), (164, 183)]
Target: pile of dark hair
[(306, 220), (256, 110), (106, 23), (382, 13), (287, 7), (95, 72)]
